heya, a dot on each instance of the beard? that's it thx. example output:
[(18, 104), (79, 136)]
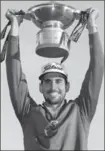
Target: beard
[(52, 102), (54, 97)]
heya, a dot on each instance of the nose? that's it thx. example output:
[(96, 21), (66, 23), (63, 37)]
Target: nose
[(53, 85)]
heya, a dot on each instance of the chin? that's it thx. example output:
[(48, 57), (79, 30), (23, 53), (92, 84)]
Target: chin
[(53, 101)]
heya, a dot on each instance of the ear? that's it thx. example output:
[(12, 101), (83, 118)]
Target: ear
[(40, 88), (67, 86)]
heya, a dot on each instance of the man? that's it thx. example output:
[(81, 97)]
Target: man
[(56, 124)]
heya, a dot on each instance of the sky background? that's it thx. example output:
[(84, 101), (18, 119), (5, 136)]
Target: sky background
[(76, 66)]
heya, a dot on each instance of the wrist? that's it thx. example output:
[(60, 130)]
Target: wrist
[(92, 27), (15, 23), (14, 28)]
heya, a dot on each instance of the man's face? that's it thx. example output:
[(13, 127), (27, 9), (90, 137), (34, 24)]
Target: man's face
[(54, 88)]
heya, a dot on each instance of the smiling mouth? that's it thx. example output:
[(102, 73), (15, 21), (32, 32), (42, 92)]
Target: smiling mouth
[(53, 94)]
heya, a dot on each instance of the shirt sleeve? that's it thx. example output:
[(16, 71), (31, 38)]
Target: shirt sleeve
[(88, 98), (18, 88)]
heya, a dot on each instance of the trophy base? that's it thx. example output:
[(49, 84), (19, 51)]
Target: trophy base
[(51, 51)]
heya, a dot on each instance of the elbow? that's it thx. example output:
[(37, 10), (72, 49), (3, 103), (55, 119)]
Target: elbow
[(101, 63), (102, 59)]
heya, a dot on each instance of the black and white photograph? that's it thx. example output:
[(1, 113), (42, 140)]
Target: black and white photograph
[(52, 75)]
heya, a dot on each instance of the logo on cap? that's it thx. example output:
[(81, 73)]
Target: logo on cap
[(53, 67)]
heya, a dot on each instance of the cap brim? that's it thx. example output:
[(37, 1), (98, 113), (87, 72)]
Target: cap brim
[(42, 75)]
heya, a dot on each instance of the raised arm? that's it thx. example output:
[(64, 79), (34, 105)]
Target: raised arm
[(19, 93), (89, 94)]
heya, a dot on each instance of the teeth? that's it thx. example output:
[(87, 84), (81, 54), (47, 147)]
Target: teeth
[(53, 93)]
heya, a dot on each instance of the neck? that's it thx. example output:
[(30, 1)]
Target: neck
[(54, 108)]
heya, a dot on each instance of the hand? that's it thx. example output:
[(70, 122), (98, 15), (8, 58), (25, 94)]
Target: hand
[(12, 16), (93, 15)]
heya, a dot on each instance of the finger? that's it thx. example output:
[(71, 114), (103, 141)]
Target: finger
[(95, 13), (89, 10), (8, 13), (13, 11)]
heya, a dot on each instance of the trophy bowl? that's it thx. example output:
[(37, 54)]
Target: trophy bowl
[(52, 11)]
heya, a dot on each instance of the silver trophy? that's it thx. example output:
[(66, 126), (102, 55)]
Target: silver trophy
[(53, 18)]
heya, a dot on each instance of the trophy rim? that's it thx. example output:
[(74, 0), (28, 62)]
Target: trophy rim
[(39, 22), (51, 3)]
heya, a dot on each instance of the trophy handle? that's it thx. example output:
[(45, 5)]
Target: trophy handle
[(30, 15), (77, 31)]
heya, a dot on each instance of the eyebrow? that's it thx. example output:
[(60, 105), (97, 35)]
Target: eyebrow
[(60, 76)]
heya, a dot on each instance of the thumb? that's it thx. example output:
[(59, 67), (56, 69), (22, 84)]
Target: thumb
[(20, 19)]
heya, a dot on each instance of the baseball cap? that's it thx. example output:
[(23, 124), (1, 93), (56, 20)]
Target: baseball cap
[(53, 67)]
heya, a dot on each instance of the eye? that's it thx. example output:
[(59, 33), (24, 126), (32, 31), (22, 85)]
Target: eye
[(59, 81), (46, 81)]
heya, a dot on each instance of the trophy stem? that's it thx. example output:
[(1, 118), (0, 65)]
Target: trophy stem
[(52, 23)]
